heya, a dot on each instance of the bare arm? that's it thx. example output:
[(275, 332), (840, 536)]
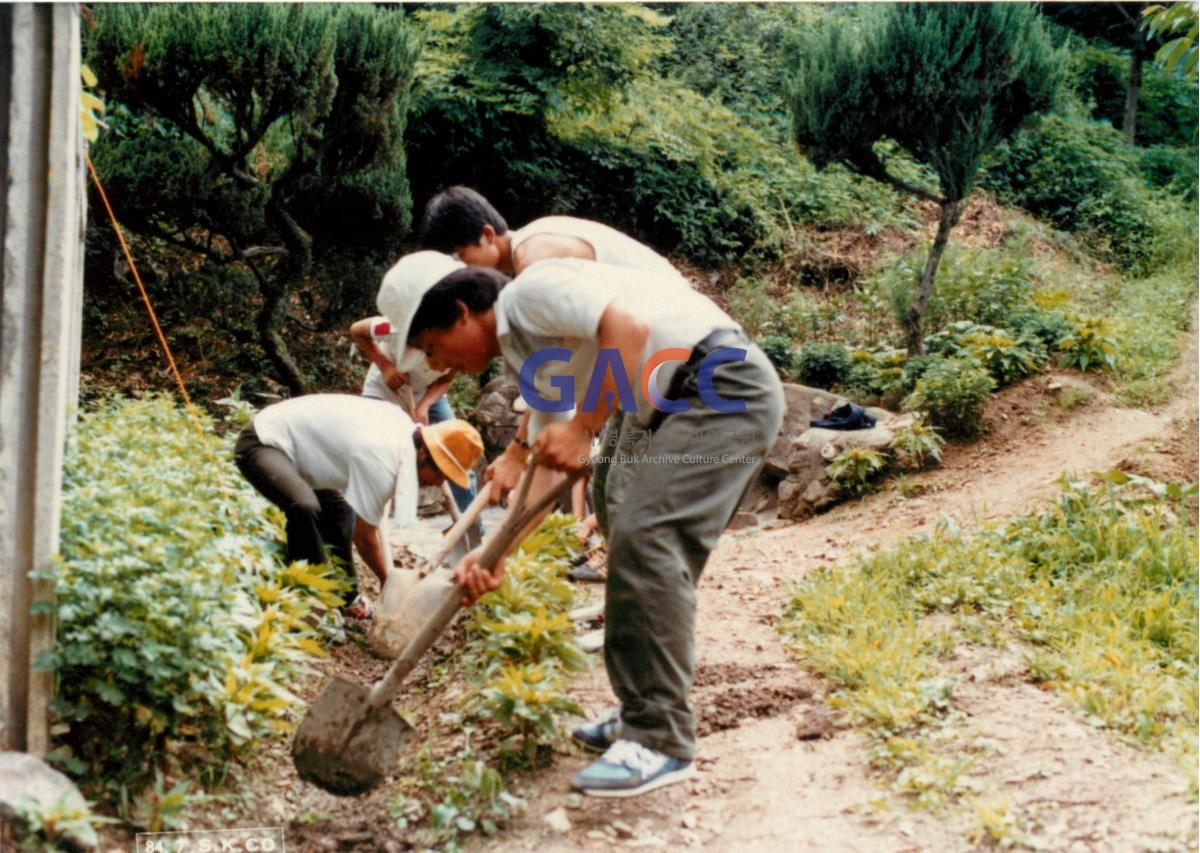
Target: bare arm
[(360, 333), (566, 446), (436, 390), (370, 548), (505, 470)]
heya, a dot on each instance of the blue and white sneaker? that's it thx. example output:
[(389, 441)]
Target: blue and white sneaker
[(627, 769), (601, 733)]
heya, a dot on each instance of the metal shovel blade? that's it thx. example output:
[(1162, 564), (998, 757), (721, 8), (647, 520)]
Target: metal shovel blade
[(344, 748)]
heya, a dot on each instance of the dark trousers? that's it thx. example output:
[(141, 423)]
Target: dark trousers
[(315, 518), (668, 494)]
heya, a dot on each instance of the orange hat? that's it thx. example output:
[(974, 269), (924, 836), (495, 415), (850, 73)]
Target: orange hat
[(455, 447)]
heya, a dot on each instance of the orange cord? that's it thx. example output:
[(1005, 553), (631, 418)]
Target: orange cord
[(187, 400)]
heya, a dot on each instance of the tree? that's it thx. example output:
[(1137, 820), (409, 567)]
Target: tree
[(946, 82), (1120, 25), (264, 138), (1180, 23)]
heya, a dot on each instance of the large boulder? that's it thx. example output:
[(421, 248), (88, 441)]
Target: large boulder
[(803, 404), (807, 488)]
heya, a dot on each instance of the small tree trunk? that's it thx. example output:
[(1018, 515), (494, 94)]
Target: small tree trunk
[(914, 321), (1132, 93), (277, 288), (274, 308)]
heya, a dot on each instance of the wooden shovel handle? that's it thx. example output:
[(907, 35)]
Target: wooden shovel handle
[(498, 545), (459, 529)]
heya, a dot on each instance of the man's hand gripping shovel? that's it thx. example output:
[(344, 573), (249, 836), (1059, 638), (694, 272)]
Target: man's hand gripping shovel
[(351, 737)]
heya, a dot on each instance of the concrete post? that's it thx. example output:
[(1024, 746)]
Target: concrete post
[(41, 252)]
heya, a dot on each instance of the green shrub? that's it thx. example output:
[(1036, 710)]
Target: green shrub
[(951, 394), (874, 375), (780, 351), (751, 305), (523, 645), (916, 445), (1006, 357), (1047, 326), (177, 620), (823, 365), (1081, 176), (854, 469), (1089, 345), (1171, 169), (981, 285)]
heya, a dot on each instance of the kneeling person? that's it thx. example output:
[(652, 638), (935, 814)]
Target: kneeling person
[(331, 462)]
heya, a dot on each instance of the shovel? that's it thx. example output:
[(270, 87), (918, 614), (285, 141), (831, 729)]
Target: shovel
[(392, 626), (351, 737)]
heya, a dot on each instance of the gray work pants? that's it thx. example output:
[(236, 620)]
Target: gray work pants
[(315, 518), (668, 494)]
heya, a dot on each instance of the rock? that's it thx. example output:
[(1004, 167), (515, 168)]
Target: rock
[(494, 414), (816, 723), (573, 801), (558, 821), (803, 404), (688, 821), (25, 778), (807, 488), (647, 841), (742, 521), (597, 835), (622, 829)]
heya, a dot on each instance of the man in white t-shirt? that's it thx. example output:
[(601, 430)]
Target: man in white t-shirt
[(461, 222), (332, 462), (710, 404), (426, 387)]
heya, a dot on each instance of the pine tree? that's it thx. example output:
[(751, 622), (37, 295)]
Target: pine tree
[(263, 137), (946, 82)]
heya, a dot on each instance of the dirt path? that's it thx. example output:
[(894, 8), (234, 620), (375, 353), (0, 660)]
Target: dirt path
[(778, 770), (764, 788)]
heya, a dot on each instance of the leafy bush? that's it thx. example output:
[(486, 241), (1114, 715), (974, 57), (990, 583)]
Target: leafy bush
[(981, 285), (855, 468), (177, 620), (524, 647), (779, 350), (1047, 326), (1082, 177), (1007, 358), (823, 365), (951, 394), (874, 375), (1089, 345), (915, 445), (1171, 169)]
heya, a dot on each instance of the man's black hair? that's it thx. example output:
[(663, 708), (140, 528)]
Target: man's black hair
[(455, 217), (475, 287)]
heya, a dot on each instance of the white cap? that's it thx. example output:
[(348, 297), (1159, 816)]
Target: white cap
[(400, 294)]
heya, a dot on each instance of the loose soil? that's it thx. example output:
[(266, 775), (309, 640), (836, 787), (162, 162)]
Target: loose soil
[(778, 769)]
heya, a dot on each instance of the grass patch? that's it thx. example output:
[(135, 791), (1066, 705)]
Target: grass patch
[(1102, 587)]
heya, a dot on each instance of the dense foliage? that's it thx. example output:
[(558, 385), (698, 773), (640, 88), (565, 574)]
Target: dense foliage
[(946, 82), (262, 140), (180, 628)]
